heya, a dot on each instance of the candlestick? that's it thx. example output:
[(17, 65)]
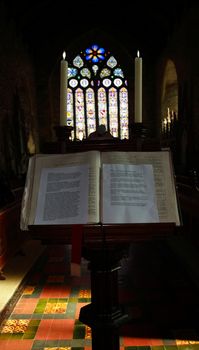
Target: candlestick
[(138, 89), (63, 90)]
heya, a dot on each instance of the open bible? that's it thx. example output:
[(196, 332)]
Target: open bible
[(93, 186)]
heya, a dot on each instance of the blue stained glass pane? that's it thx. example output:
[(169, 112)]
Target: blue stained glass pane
[(88, 57), (88, 51), (72, 72), (101, 57), (101, 50), (95, 59), (118, 72), (95, 47)]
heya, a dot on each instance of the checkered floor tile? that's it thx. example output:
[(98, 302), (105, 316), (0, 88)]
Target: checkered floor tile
[(154, 288)]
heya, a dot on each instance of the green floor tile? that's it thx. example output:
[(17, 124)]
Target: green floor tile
[(79, 332)]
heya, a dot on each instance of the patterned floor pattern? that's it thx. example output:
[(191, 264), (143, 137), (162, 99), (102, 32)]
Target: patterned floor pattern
[(154, 288)]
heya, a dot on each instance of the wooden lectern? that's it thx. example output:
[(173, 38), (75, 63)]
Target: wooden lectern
[(103, 246)]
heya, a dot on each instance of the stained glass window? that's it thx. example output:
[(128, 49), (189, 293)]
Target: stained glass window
[(97, 94)]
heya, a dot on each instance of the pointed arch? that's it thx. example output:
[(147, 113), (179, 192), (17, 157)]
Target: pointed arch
[(169, 98), (97, 93)]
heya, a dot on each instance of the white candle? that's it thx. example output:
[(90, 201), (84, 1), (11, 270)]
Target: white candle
[(63, 90), (138, 89)]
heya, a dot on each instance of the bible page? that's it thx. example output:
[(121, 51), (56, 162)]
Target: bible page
[(129, 194), (90, 158), (27, 198), (165, 190), (63, 196)]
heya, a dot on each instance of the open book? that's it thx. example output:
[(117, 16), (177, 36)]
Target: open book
[(93, 186)]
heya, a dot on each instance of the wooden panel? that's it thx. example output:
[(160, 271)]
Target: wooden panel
[(96, 235), (189, 205), (11, 236)]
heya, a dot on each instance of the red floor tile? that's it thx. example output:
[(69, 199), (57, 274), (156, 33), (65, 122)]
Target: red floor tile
[(52, 291), (130, 341), (55, 329), (25, 306), (16, 344)]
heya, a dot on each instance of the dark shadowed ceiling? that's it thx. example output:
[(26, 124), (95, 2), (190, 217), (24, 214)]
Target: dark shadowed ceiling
[(146, 25)]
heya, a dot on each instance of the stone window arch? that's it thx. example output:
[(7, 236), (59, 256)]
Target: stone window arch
[(169, 97), (97, 94)]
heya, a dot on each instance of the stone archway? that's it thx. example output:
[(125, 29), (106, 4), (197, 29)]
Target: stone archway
[(169, 97)]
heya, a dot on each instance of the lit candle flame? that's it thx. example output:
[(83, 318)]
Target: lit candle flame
[(64, 55), (138, 53)]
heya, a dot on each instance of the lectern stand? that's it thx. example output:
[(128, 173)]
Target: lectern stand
[(104, 246), (105, 315)]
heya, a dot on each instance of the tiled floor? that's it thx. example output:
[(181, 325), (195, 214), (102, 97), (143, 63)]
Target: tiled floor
[(155, 289)]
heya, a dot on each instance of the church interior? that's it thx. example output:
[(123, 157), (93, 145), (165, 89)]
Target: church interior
[(157, 278)]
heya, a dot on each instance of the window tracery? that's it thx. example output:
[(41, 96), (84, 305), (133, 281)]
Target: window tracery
[(97, 94)]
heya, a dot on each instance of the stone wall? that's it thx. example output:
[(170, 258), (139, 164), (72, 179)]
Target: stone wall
[(183, 50), (18, 119), (29, 92)]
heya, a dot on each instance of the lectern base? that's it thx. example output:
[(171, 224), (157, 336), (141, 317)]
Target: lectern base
[(105, 327), (104, 315), (88, 315)]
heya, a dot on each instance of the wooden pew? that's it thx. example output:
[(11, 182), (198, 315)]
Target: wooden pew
[(11, 237)]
